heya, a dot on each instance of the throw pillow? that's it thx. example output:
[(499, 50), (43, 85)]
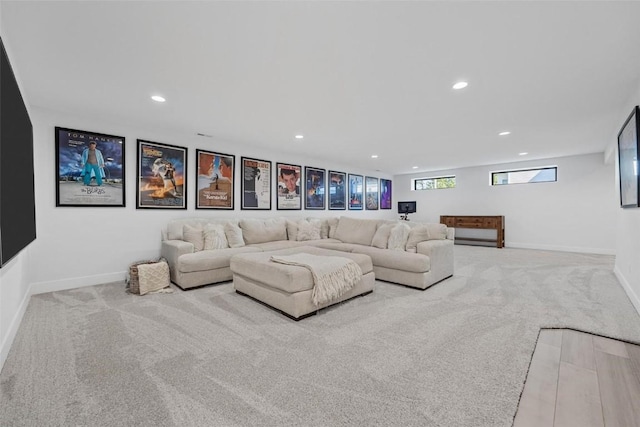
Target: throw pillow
[(194, 236), (153, 277), (308, 230), (417, 235), (437, 231), (398, 237), (214, 237), (381, 238), (324, 226), (292, 230), (333, 226), (234, 235)]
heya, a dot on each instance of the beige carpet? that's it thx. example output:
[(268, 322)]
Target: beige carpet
[(454, 355)]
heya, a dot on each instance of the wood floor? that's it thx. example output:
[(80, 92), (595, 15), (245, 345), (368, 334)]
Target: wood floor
[(579, 379)]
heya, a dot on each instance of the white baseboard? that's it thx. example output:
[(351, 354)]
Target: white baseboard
[(578, 249), (13, 328), (75, 282), (635, 299)]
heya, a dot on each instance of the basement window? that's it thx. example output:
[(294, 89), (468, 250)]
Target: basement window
[(436, 183), (525, 176)]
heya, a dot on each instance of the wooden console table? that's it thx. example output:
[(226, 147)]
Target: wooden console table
[(483, 222)]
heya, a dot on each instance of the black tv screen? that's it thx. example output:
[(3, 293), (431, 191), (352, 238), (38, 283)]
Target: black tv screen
[(17, 198), (406, 207)]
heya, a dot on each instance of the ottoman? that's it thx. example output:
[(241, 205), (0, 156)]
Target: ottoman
[(287, 288)]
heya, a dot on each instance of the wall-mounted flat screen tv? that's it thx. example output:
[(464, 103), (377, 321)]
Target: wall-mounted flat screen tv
[(17, 198), (628, 150)]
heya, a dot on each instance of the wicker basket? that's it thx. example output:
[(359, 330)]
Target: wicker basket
[(133, 281)]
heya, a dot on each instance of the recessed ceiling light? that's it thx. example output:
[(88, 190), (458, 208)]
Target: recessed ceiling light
[(299, 136), (158, 98), (460, 85), (505, 133), (524, 153), (415, 167), (374, 156)]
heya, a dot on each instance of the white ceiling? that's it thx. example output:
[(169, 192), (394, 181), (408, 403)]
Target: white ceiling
[(356, 78)]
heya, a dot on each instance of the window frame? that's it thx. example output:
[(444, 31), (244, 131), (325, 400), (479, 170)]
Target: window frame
[(538, 168), (415, 180)]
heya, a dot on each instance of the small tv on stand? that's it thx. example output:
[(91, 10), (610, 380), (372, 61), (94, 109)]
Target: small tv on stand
[(405, 208)]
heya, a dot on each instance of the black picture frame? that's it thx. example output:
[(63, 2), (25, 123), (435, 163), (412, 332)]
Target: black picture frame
[(372, 193), (161, 176), (288, 187), (356, 184), (386, 193), (72, 186), (255, 184), (337, 190), (315, 188), (215, 180), (628, 150)]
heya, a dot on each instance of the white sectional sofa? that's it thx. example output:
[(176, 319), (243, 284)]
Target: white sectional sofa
[(408, 253)]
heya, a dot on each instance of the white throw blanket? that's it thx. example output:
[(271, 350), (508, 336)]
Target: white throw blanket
[(332, 275)]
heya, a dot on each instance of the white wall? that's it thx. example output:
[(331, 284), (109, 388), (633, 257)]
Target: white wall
[(80, 246), (86, 246), (14, 284), (576, 213), (627, 266)]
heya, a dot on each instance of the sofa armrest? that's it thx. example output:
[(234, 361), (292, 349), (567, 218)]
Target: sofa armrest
[(451, 233), (172, 249), (431, 247), (440, 253)]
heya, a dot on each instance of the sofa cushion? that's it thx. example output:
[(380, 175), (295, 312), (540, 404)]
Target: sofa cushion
[(308, 230), (292, 230), (333, 226), (333, 244), (436, 231), (397, 260), (359, 231), (194, 236), (323, 223), (174, 227), (263, 230), (278, 244), (234, 235), (381, 238), (398, 237), (214, 237), (211, 260), (416, 235)]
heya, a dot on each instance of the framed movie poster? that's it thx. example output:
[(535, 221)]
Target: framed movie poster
[(337, 190), (214, 184), (256, 184), (162, 176), (371, 193), (385, 193), (355, 192), (315, 188), (628, 148), (289, 186), (89, 169)]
